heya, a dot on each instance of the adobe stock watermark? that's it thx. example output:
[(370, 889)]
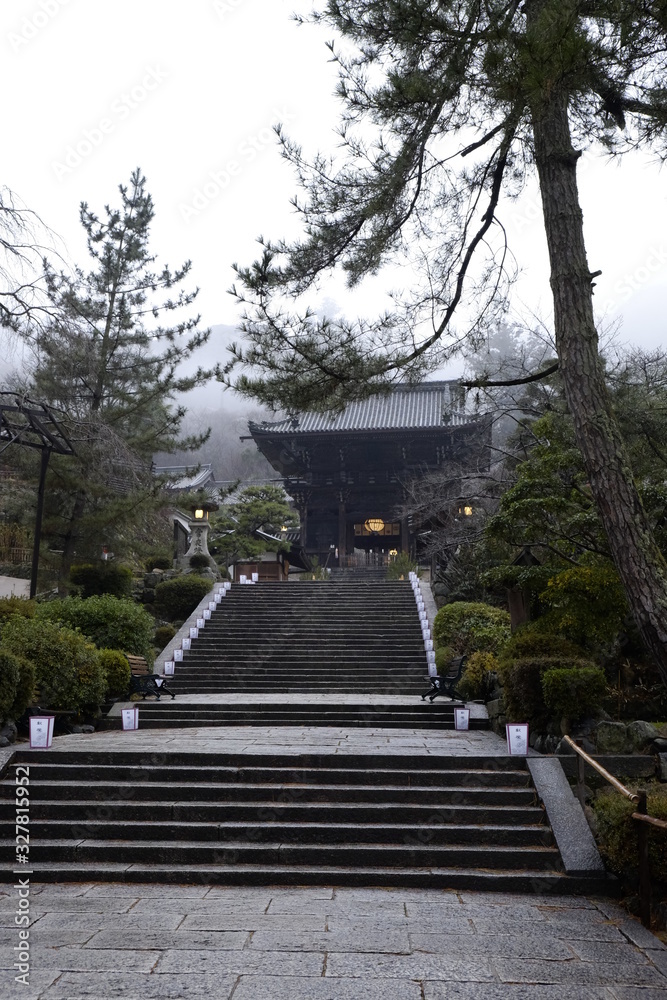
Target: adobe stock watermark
[(217, 181), (632, 280), (32, 24), (120, 110), (223, 7)]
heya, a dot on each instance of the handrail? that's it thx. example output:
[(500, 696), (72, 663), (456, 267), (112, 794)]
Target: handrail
[(639, 816), (632, 796), (653, 820)]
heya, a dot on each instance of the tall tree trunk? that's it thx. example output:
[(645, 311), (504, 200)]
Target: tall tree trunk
[(639, 562), (70, 541)]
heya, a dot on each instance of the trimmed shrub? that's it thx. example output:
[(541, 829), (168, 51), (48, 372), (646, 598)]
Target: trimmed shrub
[(159, 560), (25, 690), (67, 668), (163, 636), (110, 622), (107, 578), (475, 682), (617, 832), (179, 597), (9, 680), (199, 561), (16, 606), (522, 686), (443, 656), (535, 639), (468, 627), (574, 692), (116, 669)]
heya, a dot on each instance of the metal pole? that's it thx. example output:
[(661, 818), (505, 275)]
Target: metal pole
[(46, 454), (644, 870)]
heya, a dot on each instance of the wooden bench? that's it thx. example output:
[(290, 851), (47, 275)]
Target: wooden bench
[(143, 682), (446, 683)]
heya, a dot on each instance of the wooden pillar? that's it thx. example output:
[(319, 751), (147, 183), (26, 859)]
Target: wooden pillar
[(342, 532), (405, 536), (304, 527)]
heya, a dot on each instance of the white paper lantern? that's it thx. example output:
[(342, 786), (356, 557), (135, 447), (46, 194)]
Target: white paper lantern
[(130, 718), (41, 731)]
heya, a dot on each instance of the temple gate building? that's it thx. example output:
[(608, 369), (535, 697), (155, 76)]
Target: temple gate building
[(346, 471)]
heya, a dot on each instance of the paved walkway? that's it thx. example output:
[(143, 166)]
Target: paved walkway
[(166, 942), (12, 585), (146, 942), (288, 739)]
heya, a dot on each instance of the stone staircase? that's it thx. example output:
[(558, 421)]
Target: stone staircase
[(317, 637), (422, 821), (403, 714)]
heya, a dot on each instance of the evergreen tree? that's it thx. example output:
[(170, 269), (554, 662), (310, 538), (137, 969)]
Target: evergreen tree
[(465, 97), (256, 508), (111, 367)]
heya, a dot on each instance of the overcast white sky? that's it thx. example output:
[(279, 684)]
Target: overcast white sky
[(189, 92)]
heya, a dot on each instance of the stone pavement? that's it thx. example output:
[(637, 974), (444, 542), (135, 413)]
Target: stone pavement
[(151, 942), (288, 739)]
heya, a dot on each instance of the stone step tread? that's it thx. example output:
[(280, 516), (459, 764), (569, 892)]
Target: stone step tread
[(248, 847)]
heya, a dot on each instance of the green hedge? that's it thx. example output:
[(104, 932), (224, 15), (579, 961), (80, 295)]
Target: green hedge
[(176, 599), (116, 669), (107, 578), (523, 692), (110, 622), (617, 832), (17, 685), (468, 627), (574, 692), (68, 672), (16, 606), (475, 682), (535, 639)]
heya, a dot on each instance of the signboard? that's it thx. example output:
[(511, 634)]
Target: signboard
[(130, 718), (517, 738), (41, 731), (462, 718), (169, 667)]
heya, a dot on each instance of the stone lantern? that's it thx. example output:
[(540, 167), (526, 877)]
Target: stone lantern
[(198, 523)]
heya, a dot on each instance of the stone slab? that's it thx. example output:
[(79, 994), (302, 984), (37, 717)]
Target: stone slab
[(418, 966), (140, 986), (519, 970), (571, 830), (238, 963), (274, 988), (504, 991), (377, 939)]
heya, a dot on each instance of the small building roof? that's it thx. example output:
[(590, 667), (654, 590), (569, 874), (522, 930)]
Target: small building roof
[(185, 477), (431, 404)]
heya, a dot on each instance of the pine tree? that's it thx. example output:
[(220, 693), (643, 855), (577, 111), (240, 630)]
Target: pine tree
[(111, 367), (465, 97)]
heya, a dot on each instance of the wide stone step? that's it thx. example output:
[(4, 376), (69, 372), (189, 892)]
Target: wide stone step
[(358, 855), (323, 832), (412, 877), (133, 775), (335, 795)]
